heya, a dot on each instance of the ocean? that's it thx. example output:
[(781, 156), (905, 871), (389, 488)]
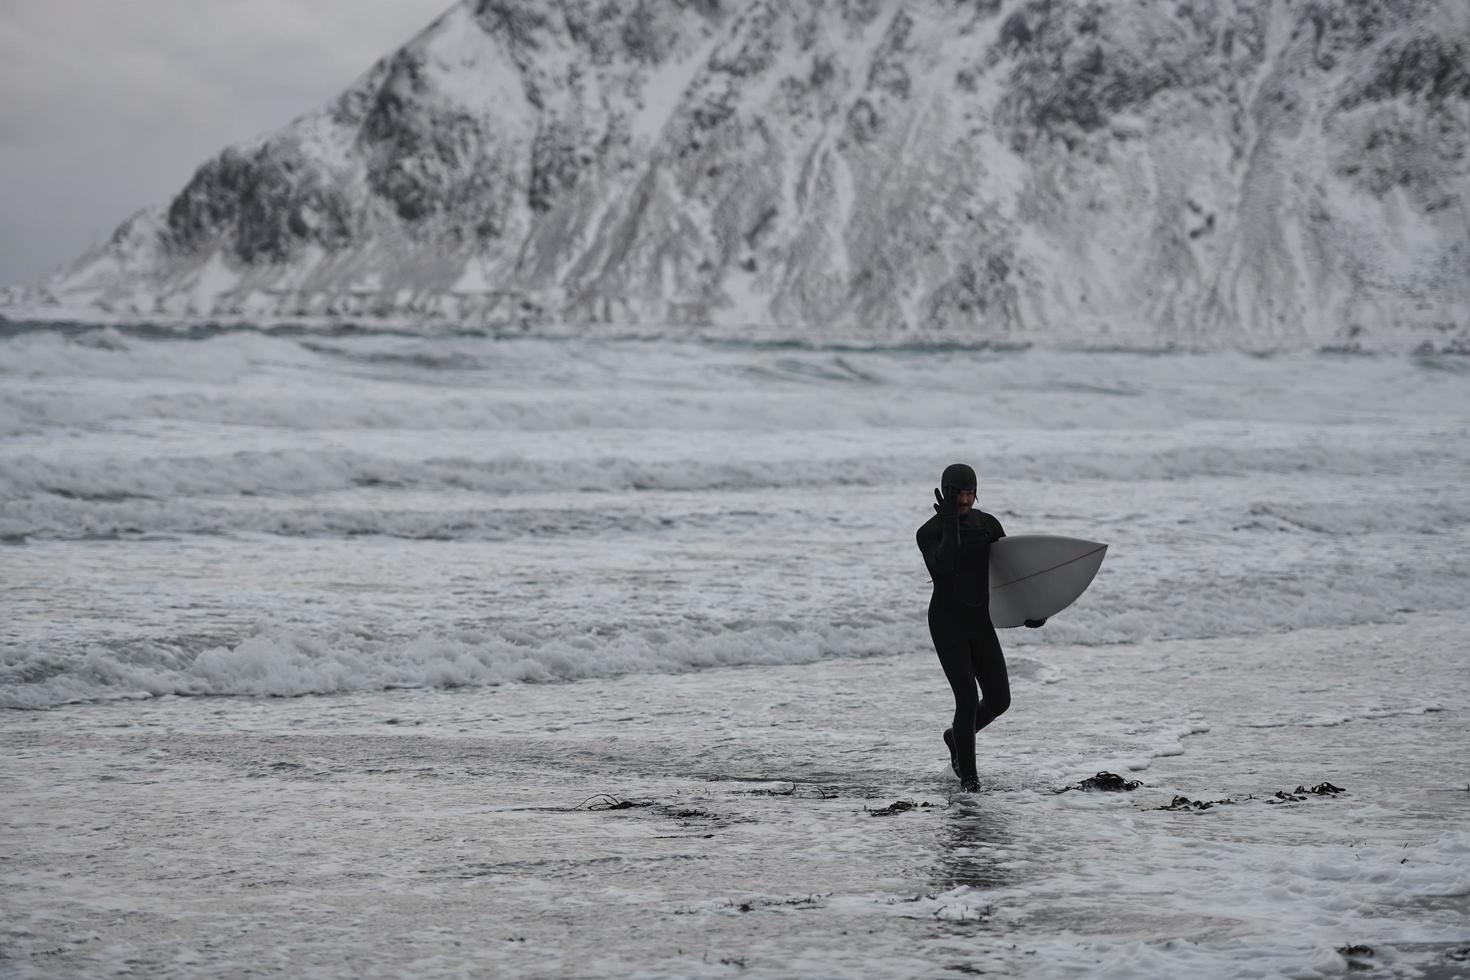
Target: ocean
[(351, 653)]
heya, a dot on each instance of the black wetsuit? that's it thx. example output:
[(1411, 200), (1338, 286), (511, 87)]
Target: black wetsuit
[(957, 552)]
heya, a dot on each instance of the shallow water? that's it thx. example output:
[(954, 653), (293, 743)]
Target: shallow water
[(505, 576)]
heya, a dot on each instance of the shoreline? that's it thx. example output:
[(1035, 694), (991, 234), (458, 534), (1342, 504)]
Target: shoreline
[(350, 840)]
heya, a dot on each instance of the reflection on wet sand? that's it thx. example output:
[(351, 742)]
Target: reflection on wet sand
[(973, 848)]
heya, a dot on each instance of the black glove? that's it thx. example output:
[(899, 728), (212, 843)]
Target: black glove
[(1034, 623), (946, 506)]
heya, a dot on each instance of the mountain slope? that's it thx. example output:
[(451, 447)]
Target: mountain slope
[(1219, 172)]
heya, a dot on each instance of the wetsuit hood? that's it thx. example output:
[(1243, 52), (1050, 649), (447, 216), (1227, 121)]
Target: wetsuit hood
[(959, 476)]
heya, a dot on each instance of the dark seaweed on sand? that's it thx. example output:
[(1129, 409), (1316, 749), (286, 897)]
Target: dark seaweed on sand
[(1107, 782), (1185, 803), (899, 806), (1300, 793), (1322, 789), (813, 901), (1297, 795), (606, 801)]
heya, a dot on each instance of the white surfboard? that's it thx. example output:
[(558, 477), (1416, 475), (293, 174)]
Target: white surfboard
[(1033, 576)]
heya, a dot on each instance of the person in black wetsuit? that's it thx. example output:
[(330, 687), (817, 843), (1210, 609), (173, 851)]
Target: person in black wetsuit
[(956, 546)]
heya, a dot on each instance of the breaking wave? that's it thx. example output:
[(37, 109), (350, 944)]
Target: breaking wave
[(285, 663), (151, 486)]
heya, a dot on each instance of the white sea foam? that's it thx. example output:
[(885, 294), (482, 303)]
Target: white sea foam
[(283, 663), (409, 601), (748, 801), (562, 490)]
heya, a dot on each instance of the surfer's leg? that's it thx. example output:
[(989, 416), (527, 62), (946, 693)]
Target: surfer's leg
[(953, 647), (989, 665)]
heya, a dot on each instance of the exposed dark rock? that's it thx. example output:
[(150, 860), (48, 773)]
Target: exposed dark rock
[(1428, 66), (261, 205), (1349, 25), (888, 72), (708, 8), (518, 20), (592, 27), (641, 37), (1204, 229), (975, 292), (752, 47), (1065, 84), (863, 121), (713, 110), (861, 12), (1391, 152), (556, 165), (762, 223), (415, 153), (804, 94), (1015, 32)]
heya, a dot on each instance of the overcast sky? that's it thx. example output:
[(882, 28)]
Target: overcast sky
[(110, 105)]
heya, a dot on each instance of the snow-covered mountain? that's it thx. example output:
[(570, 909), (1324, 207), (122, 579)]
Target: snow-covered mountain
[(1200, 172)]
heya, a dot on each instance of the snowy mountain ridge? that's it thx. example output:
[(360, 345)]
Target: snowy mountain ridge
[(1208, 173)]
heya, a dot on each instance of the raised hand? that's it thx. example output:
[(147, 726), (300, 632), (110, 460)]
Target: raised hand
[(946, 506)]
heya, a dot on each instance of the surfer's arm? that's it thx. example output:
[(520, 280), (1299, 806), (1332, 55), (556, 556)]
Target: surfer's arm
[(940, 550)]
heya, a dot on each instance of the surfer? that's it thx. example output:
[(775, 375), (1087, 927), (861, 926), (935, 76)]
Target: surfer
[(956, 546)]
